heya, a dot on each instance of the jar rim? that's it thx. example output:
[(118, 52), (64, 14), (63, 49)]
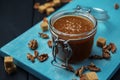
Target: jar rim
[(73, 13)]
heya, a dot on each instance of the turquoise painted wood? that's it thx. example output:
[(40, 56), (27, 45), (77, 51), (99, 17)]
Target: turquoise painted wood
[(18, 47)]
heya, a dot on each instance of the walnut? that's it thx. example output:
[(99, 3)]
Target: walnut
[(33, 44)]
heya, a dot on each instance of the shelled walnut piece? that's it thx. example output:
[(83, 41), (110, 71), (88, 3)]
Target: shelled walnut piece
[(31, 57), (42, 57), (50, 43), (9, 66), (79, 71), (36, 55), (43, 35), (93, 67), (33, 44)]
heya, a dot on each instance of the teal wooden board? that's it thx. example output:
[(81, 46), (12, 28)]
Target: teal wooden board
[(18, 47)]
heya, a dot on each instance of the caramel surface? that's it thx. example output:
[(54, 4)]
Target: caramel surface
[(73, 24)]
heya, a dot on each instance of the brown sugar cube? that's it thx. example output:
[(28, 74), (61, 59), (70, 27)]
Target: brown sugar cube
[(101, 42), (52, 4), (8, 61), (44, 26), (10, 70), (47, 5), (56, 2), (42, 8), (49, 10), (116, 6), (91, 76)]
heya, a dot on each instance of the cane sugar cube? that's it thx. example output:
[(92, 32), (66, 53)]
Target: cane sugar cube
[(44, 26), (91, 76), (52, 4), (101, 42), (47, 5), (49, 10), (8, 61), (9, 66), (42, 8), (10, 70), (56, 2)]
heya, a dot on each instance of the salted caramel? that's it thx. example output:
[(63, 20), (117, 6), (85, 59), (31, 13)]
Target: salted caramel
[(79, 31), (73, 25)]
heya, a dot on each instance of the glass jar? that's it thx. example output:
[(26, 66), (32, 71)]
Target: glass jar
[(72, 47)]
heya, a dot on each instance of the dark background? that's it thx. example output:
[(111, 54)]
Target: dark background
[(17, 16)]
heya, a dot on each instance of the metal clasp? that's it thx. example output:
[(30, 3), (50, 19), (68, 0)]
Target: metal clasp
[(67, 50)]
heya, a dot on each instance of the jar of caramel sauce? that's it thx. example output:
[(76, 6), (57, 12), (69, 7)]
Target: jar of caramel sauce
[(78, 29)]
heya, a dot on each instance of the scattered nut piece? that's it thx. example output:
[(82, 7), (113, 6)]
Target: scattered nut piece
[(91, 76), (81, 70), (113, 47), (42, 57), (33, 44), (106, 47), (44, 36), (49, 43), (36, 54), (36, 5), (30, 57), (116, 6), (101, 42), (106, 54), (49, 10), (92, 67)]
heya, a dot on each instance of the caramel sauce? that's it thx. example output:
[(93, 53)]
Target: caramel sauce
[(81, 48), (73, 25)]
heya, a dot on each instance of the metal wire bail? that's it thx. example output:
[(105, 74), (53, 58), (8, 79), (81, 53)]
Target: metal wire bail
[(67, 50)]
